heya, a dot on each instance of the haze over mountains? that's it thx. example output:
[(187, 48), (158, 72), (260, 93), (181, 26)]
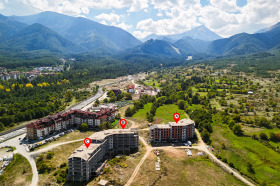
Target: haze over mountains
[(64, 34)]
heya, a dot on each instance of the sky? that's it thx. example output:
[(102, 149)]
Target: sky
[(162, 17)]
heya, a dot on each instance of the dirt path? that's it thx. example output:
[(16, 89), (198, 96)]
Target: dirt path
[(201, 146), (136, 170)]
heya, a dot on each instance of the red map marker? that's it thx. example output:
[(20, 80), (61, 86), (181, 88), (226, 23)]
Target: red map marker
[(176, 117), (123, 123), (87, 142)]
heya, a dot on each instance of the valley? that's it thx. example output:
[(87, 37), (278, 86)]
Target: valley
[(90, 98)]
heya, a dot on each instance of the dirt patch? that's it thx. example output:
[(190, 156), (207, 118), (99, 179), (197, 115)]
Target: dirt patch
[(157, 121), (176, 153)]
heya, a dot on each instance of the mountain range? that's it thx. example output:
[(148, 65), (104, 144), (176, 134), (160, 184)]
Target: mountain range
[(64, 34), (200, 32)]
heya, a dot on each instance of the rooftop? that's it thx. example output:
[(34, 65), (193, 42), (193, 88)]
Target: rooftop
[(84, 153), (182, 122)]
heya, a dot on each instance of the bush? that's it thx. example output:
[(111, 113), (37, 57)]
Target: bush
[(83, 127), (50, 155), (274, 136), (237, 129), (263, 136), (231, 165), (224, 160), (63, 165), (250, 168), (206, 136), (255, 137), (43, 168)]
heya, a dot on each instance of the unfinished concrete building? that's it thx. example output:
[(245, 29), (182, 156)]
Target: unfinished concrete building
[(181, 131), (87, 162)]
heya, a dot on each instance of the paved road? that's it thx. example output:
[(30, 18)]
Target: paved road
[(30, 155), (88, 101), (21, 149)]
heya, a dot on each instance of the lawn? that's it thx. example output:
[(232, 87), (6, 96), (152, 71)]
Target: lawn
[(141, 114), (193, 107), (178, 169), (18, 172), (243, 150), (164, 114), (151, 82)]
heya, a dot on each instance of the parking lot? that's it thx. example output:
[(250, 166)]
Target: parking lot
[(42, 141), (6, 156)]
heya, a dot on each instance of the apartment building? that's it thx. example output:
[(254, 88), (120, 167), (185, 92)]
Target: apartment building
[(11, 75), (87, 162), (181, 131), (58, 122)]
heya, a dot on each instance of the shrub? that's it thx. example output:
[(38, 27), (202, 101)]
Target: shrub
[(50, 155), (83, 127), (263, 136), (250, 168), (237, 129), (255, 137), (63, 165), (231, 165)]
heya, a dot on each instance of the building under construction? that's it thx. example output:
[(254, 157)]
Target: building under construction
[(87, 162), (181, 131)]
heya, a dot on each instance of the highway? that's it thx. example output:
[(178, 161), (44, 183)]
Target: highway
[(83, 105)]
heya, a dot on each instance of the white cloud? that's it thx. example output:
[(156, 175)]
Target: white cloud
[(159, 14), (138, 5), (103, 22), (225, 5), (1, 6), (222, 16), (140, 34), (123, 26), (113, 18)]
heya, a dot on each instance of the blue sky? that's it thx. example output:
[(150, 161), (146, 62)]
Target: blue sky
[(162, 17)]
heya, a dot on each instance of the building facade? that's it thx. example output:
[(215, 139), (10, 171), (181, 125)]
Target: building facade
[(130, 89), (87, 162), (11, 75), (59, 122), (181, 131)]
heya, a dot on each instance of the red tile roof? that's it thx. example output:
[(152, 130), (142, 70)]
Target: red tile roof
[(130, 87)]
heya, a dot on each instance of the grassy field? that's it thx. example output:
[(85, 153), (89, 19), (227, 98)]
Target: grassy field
[(193, 107), (164, 114), (257, 131), (141, 114), (18, 172), (61, 155), (243, 150), (150, 83), (68, 137), (178, 169)]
